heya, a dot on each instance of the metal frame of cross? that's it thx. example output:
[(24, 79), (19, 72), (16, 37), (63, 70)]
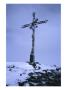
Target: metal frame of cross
[(32, 26)]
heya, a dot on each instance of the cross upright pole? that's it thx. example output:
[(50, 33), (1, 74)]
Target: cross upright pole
[(33, 25), (32, 55)]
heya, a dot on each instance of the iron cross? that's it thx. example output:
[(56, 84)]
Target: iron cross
[(33, 25)]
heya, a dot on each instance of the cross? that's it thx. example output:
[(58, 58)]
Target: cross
[(33, 25)]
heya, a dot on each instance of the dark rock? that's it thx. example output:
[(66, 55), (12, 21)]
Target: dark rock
[(20, 74), (22, 83)]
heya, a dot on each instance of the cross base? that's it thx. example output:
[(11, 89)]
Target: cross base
[(32, 58), (32, 61)]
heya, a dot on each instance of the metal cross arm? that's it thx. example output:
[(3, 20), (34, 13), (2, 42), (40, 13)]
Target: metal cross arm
[(34, 23), (26, 25), (40, 22)]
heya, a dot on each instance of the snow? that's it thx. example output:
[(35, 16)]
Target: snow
[(20, 65), (18, 71)]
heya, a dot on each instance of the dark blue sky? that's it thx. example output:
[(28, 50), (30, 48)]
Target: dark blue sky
[(47, 36)]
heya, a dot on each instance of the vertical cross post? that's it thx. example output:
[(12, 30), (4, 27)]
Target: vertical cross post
[(32, 55)]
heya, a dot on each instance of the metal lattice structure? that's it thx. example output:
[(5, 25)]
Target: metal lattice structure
[(33, 25)]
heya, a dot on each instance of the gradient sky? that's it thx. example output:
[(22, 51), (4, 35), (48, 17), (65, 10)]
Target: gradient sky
[(47, 36)]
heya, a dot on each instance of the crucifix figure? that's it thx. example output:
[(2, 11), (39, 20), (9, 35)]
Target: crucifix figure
[(33, 25)]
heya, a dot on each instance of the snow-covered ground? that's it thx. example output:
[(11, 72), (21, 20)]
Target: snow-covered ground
[(19, 71)]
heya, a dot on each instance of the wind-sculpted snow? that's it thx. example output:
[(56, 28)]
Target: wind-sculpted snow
[(23, 74)]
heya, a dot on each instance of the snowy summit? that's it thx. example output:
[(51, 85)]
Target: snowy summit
[(21, 71)]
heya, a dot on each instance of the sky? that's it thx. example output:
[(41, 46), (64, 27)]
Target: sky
[(47, 36)]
